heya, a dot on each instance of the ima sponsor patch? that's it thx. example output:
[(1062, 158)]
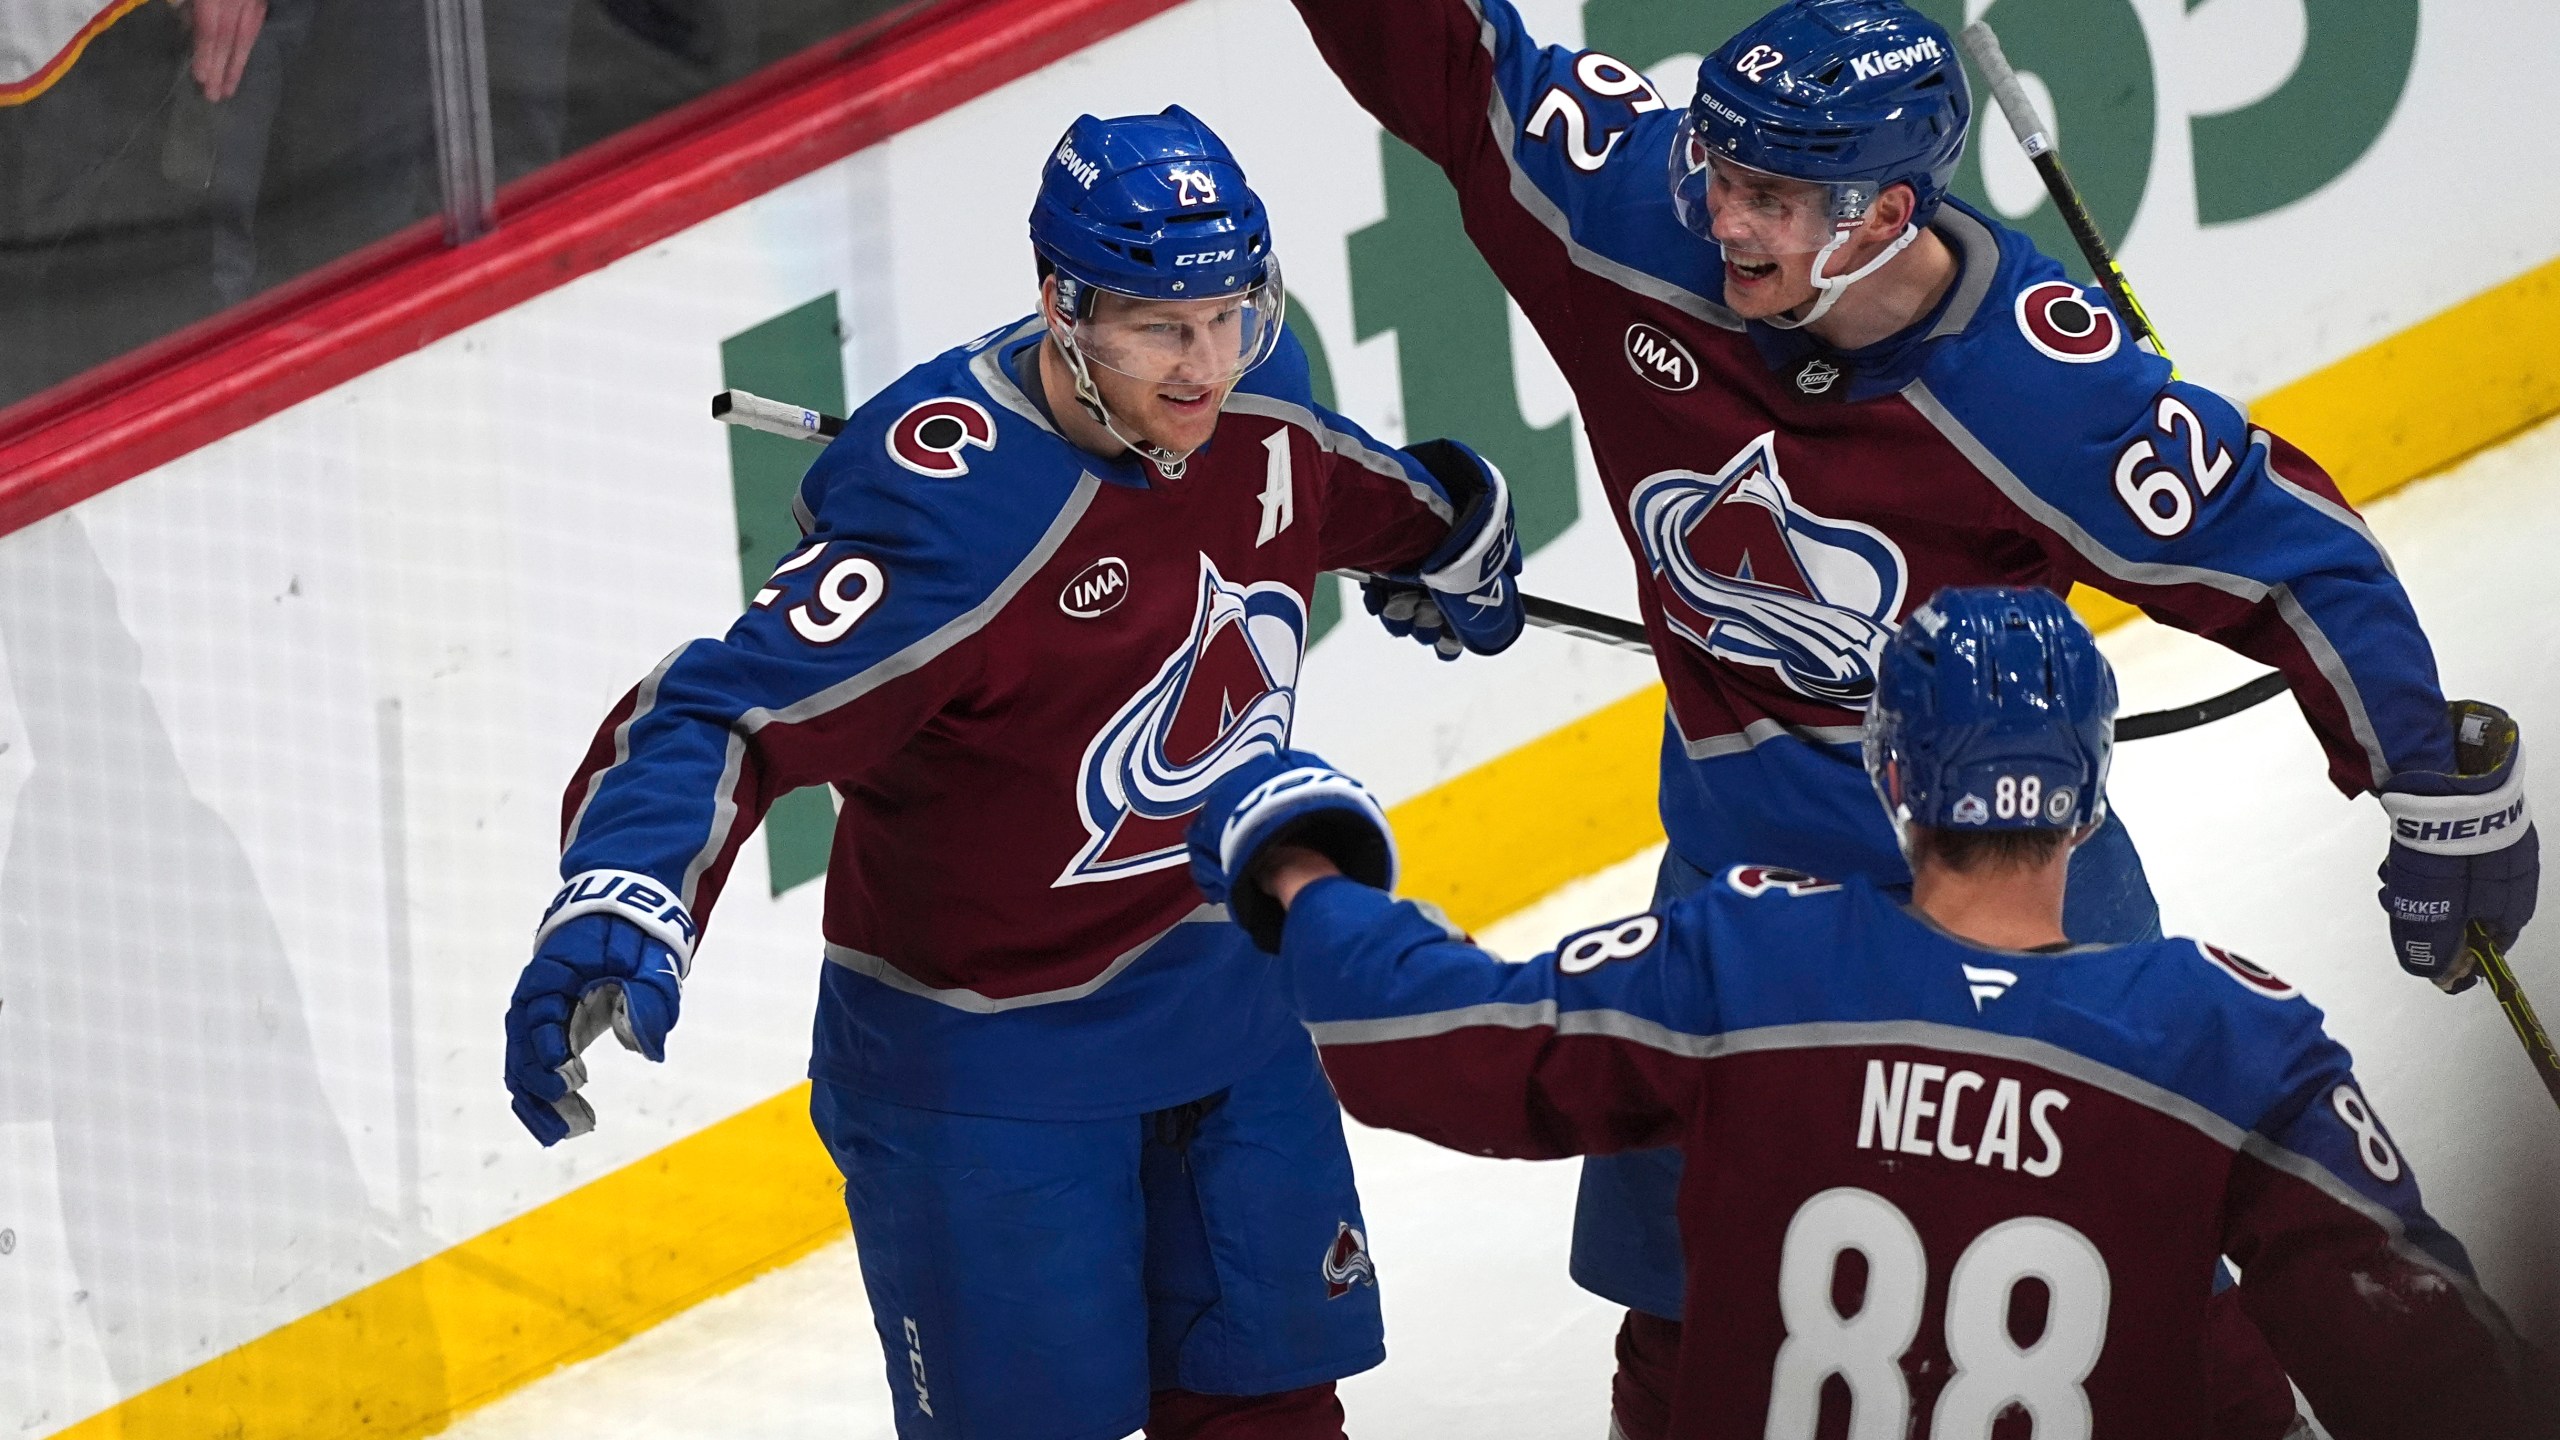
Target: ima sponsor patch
[(1096, 588), (1347, 1263), (928, 439), (2257, 978), (1662, 360), (2059, 320)]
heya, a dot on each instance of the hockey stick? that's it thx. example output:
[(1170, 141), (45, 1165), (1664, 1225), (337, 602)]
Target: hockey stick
[(1982, 47), (772, 417), (2528, 1026)]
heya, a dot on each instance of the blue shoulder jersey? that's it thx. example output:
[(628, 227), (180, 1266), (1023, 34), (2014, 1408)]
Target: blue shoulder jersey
[(1017, 666), (1843, 1076), (1787, 505)]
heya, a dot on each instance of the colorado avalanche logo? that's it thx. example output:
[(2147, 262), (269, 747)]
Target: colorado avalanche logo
[(1750, 576), (1223, 697), (930, 437), (1347, 1262)]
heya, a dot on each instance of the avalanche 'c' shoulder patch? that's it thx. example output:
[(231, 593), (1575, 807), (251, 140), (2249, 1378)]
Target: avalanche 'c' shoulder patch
[(2060, 322), (928, 438)]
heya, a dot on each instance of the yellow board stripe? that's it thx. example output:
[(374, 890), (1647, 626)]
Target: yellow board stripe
[(579, 1275)]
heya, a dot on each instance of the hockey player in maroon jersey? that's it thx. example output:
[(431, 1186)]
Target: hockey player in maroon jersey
[(1950, 1175), (1818, 387), (1054, 584)]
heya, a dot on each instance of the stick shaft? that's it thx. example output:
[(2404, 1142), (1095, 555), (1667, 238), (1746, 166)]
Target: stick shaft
[(754, 412), (1982, 46), (2527, 1025)]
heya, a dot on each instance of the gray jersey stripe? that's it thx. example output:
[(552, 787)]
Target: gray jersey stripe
[(2321, 503), (1760, 732), (1336, 442), (988, 367), (1980, 251), (961, 998), (1544, 211), (2341, 680), (642, 703), (2135, 572)]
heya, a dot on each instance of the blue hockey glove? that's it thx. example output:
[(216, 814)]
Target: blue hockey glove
[(1292, 798), (611, 954), (1462, 597), (2463, 851)]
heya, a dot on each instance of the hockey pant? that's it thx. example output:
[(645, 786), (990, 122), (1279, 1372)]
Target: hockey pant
[(1080, 1280)]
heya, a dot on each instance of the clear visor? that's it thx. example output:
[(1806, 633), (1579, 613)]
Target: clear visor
[(1753, 211), (1209, 341)]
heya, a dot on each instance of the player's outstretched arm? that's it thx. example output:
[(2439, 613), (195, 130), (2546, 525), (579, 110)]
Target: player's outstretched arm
[(1534, 138), (858, 638), (1588, 1049), (2371, 1305), (2162, 493)]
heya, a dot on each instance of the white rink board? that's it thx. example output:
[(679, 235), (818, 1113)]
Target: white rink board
[(284, 723)]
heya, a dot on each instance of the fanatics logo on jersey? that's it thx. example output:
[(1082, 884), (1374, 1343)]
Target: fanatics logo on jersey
[(1660, 359), (928, 439), (1347, 1263), (2060, 322), (1751, 577), (1096, 588)]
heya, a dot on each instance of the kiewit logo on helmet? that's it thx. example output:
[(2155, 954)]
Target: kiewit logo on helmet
[(1076, 165), (1886, 62)]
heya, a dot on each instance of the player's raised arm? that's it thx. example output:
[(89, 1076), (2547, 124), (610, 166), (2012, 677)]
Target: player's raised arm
[(2162, 493), (1535, 138), (2371, 1305), (1588, 1049), (860, 635)]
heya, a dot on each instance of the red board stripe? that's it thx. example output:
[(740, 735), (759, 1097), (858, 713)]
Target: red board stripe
[(409, 290)]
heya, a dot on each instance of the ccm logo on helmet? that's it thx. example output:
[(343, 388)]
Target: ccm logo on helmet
[(928, 439), (1660, 359), (1203, 257), (2059, 321)]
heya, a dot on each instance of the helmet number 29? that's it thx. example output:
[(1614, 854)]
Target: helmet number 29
[(1992, 1371), (2160, 499)]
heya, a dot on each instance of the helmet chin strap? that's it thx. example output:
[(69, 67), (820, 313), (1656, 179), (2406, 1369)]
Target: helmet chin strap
[(1169, 463), (1832, 288)]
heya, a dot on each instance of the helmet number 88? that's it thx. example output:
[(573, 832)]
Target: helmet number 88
[(1992, 1372), (2016, 797)]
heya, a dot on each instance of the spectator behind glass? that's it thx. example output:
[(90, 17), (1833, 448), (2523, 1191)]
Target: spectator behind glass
[(201, 151)]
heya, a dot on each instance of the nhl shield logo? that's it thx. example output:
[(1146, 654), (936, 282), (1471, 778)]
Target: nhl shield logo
[(1748, 575), (1817, 376), (1225, 695), (1347, 1263)]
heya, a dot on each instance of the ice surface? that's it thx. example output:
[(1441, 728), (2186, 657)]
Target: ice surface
[(2247, 845)]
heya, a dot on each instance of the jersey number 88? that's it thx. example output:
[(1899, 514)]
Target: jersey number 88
[(1992, 1371)]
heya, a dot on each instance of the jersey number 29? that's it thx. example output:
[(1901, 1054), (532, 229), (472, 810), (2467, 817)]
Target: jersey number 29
[(1992, 1371)]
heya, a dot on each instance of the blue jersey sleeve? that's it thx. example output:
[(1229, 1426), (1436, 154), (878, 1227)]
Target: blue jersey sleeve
[(859, 637), (1382, 508), (2162, 493), (1558, 155), (1586, 1049)]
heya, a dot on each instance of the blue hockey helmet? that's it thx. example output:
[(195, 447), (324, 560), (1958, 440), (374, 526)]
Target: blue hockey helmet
[(1156, 209), (1855, 95), (1993, 711), (1150, 206)]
